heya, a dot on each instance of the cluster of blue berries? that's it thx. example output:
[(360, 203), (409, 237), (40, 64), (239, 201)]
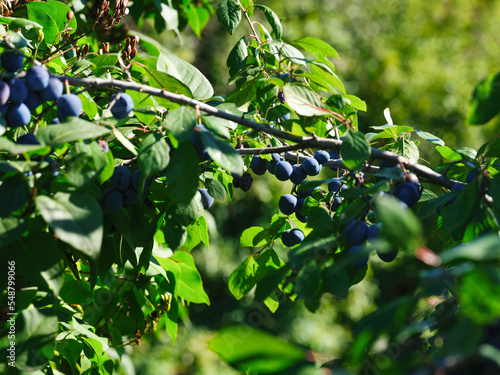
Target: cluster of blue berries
[(284, 171), (124, 189), (18, 97), (292, 204)]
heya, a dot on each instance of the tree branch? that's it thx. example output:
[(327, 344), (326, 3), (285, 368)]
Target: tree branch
[(301, 142)]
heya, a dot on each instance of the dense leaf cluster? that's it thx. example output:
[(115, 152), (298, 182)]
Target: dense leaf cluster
[(100, 211)]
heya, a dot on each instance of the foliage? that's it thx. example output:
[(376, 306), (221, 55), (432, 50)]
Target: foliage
[(100, 212)]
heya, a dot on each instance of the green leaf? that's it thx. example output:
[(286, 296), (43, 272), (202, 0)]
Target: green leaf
[(186, 73), (242, 279), (190, 284), (304, 101), (168, 76), (144, 106), (307, 250), (355, 102), (254, 237), (94, 351), (320, 221), (84, 163), (169, 15), (273, 20), (479, 295), (153, 155), (76, 218), (449, 153), (236, 59), (429, 137), (181, 122), (252, 270), (484, 249), (407, 148), (484, 103), (187, 213), (11, 228), (14, 194), (391, 131), (124, 141), (75, 291), (229, 14), (196, 232), (316, 46), (290, 52), (355, 150), (253, 351), (222, 153), (182, 174), (17, 23), (217, 125), (307, 286), (35, 334), (216, 189), (17, 149), (336, 281), (51, 15), (103, 64), (400, 226), (72, 129)]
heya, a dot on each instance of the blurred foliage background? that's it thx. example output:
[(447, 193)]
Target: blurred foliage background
[(422, 60)]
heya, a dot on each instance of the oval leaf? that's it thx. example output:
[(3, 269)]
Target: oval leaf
[(76, 218)]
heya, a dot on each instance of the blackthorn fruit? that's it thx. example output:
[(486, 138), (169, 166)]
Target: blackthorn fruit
[(298, 175), (18, 90), (68, 105), (122, 106), (53, 90), (292, 237), (112, 200), (4, 92), (18, 115), (28, 139), (136, 178), (33, 101), (37, 77), (359, 256), (11, 61), (311, 166), (296, 236), (206, 198), (287, 204), (408, 193), (388, 256), (322, 156), (258, 165), (283, 170), (356, 232), (121, 178), (130, 195), (335, 185)]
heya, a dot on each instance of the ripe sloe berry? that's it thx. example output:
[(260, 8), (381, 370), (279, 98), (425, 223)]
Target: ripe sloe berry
[(11, 61), (37, 77), (258, 165), (283, 170), (311, 166), (68, 105), (206, 198), (287, 204), (122, 106)]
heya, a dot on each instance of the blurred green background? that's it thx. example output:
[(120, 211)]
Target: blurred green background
[(421, 59)]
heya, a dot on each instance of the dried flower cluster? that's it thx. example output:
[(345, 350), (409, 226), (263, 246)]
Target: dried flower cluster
[(106, 19), (130, 48)]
